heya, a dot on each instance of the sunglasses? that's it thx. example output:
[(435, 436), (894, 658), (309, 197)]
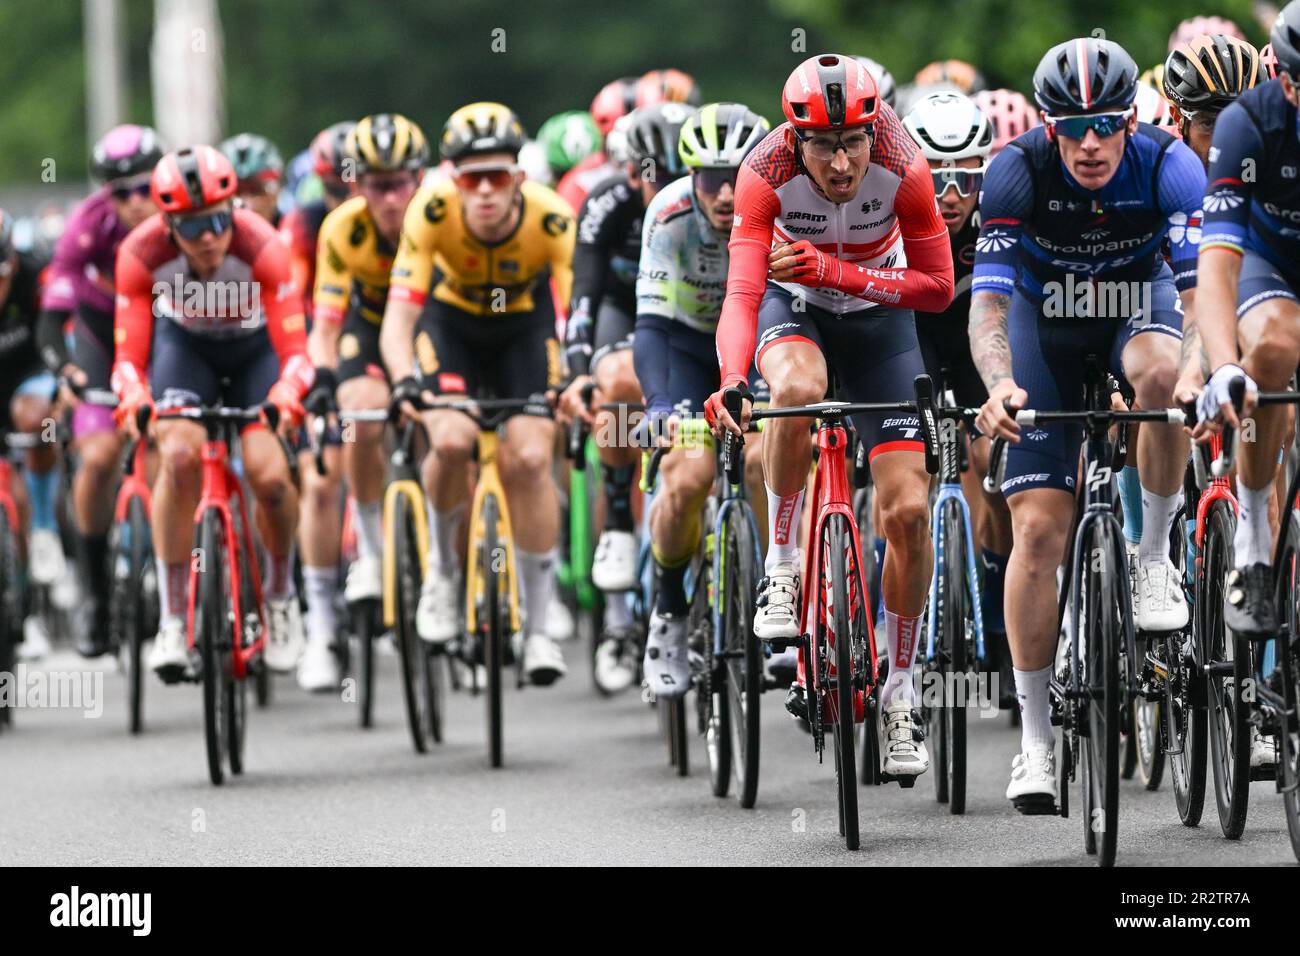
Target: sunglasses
[(337, 190), (193, 227), (711, 181), (854, 143), (258, 187), (498, 177), (966, 181), (1076, 127), (392, 184), (124, 191)]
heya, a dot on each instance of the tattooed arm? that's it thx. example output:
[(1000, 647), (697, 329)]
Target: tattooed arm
[(1192, 364), (990, 347)]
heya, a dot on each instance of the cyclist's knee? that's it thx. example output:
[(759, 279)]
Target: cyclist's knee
[(1272, 361), (269, 481), (97, 456), (320, 493), (798, 388), (616, 378), (1039, 535), (904, 515), (526, 460), (179, 455), (29, 413), (451, 446), (1153, 386)]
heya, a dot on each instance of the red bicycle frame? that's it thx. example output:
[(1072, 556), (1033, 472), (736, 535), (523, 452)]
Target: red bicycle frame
[(831, 496), (135, 484), (7, 497), (220, 486), (1219, 489)]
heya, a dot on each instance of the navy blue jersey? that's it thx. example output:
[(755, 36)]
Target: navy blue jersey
[(1252, 202), (1039, 224)]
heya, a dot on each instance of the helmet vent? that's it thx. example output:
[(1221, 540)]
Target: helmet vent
[(835, 103)]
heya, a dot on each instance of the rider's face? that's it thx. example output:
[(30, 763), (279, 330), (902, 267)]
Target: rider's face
[(839, 175), (387, 195), (954, 207), (488, 184), (1092, 161), (206, 252)]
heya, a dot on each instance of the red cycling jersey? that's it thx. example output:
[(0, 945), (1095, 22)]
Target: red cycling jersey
[(894, 245), (253, 288)]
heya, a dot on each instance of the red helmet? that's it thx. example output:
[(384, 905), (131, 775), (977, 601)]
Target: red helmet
[(666, 86), (328, 150), (1193, 27), (616, 98), (1010, 113), (830, 92), (1268, 61), (192, 178)]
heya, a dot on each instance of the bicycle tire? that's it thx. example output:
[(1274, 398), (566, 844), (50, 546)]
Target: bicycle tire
[(1288, 662), (211, 626), (1227, 710), (1101, 684), (745, 674), (1183, 727), (435, 680), (494, 636), (836, 544), (364, 625), (406, 584), (128, 599), (951, 769), (10, 607), (1150, 752)]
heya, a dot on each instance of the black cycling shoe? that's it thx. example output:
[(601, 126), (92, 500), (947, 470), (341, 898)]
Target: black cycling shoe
[(1249, 609), (90, 632), (796, 703)]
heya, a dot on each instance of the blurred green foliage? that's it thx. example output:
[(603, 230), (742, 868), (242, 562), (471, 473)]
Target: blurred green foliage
[(294, 67)]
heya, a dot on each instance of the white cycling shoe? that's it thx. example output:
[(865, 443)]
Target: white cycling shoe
[(1032, 789), (777, 614), (437, 616), (614, 566), (285, 639), (902, 742), (559, 621), (45, 556), (169, 657), (1159, 603), (1263, 750), (318, 670), (667, 663), (543, 660), (36, 640), (365, 580)]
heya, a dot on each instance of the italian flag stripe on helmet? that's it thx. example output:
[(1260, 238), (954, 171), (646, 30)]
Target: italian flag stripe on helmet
[(1085, 82)]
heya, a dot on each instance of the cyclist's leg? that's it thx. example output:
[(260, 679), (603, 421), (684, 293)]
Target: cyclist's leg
[(614, 566), (29, 413), (363, 384), (1269, 335), (320, 531), (1146, 353)]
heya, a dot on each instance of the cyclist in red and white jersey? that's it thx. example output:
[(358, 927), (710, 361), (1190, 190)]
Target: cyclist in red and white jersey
[(837, 238), (229, 329)]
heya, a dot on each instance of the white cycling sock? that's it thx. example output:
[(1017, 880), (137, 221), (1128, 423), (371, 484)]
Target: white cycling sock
[(901, 635), (617, 613), (370, 528), (173, 588), (1158, 513), (1035, 708), (443, 528), (1254, 539), (321, 585), (537, 584), (783, 513)]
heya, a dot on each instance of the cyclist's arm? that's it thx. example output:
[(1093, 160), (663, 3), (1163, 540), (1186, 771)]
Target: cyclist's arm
[(132, 320), (51, 343), (590, 267), (757, 206), (656, 304), (59, 299), (562, 254), (329, 298), (285, 324), (1238, 147), (1007, 200), (293, 230), (650, 358), (409, 284)]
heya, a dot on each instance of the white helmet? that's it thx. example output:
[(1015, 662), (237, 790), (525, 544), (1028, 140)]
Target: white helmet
[(949, 126), (616, 147)]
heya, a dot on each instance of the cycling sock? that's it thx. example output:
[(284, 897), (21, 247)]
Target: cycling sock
[(321, 585), (1035, 711), (1130, 494), (877, 595), (537, 574), (618, 497), (1254, 538), (279, 575), (368, 525), (443, 528), (43, 489), (995, 575), (901, 634), (92, 555), (1158, 512), (783, 513), (617, 613), (173, 588), (670, 585)]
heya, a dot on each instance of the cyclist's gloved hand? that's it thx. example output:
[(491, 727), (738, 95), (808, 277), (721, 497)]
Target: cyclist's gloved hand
[(320, 400), (654, 428), (715, 409), (805, 264), (409, 390), (1216, 400), (132, 396), (284, 396)]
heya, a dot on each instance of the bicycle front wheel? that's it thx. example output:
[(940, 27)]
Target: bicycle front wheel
[(492, 623), (744, 657), (407, 580), (1288, 670), (1103, 631), (955, 623), (837, 545), (212, 638), (10, 607)]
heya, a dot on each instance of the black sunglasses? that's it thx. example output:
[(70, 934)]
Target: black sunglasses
[(123, 193), (193, 227), (711, 180)]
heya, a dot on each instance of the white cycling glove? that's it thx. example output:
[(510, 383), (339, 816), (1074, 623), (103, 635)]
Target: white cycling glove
[(1215, 394)]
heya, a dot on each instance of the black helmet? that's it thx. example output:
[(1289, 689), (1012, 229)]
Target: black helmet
[(1210, 72), (125, 151), (1285, 39), (654, 132), (1086, 75)]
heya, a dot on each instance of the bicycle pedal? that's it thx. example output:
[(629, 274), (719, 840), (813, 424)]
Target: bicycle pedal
[(1037, 805), (781, 643), (1265, 772)]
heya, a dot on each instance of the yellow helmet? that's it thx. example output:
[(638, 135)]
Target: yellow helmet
[(386, 143), (481, 128), (1154, 77)]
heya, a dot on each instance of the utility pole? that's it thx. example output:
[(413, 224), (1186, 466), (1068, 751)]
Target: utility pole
[(188, 75), (105, 76)]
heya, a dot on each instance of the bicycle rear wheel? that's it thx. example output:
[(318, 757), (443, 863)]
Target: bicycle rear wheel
[(212, 638), (132, 560), (406, 583), (744, 657), (236, 696), (1182, 720), (955, 623), (1228, 657), (365, 626), (1288, 664), (11, 616), (1104, 630), (837, 544), (493, 614)]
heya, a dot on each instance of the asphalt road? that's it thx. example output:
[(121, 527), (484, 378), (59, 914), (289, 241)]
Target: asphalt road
[(586, 781)]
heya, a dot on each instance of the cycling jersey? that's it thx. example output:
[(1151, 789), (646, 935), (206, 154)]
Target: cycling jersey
[(353, 262), (1040, 225), (683, 270), (18, 313), (478, 277), (891, 230), (299, 230), (1252, 203), (81, 272), (575, 185), (252, 293), (944, 336), (604, 265)]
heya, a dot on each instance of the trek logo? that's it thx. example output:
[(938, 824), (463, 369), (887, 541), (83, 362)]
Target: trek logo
[(1098, 476), (785, 518), (76, 909), (906, 636)]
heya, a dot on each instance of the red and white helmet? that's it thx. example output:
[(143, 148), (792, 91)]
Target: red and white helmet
[(1010, 112), (616, 98), (192, 178), (1194, 27), (830, 92)]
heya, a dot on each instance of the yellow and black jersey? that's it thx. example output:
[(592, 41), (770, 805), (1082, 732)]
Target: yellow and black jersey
[(477, 277), (353, 262)]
